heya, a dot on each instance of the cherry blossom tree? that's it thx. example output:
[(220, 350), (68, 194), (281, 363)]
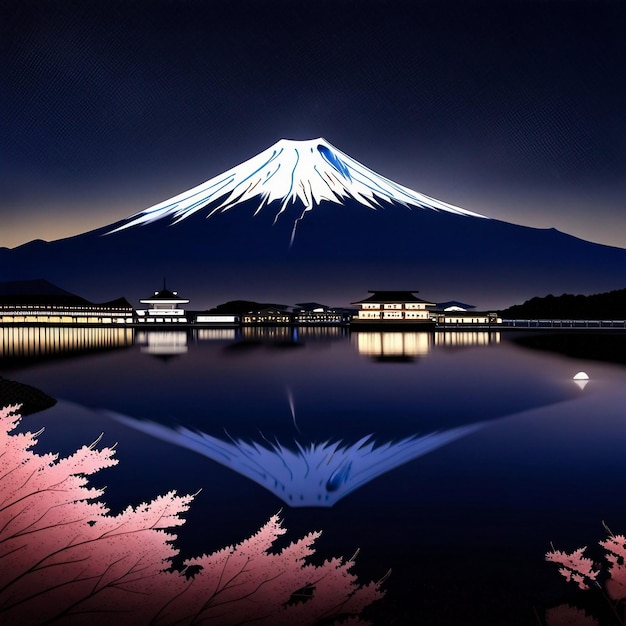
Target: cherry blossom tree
[(577, 568), (65, 559)]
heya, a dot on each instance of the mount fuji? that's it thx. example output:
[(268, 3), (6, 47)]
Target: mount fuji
[(302, 173), (303, 221)]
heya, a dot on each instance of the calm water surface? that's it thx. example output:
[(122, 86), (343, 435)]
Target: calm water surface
[(451, 458)]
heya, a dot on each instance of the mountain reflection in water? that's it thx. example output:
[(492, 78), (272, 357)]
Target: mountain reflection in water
[(453, 458), (314, 474)]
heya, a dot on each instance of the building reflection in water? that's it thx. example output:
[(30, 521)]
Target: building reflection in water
[(306, 333), (311, 474), (466, 338), (393, 345), (23, 342), (215, 334), (162, 343), (407, 346), (292, 334), (269, 333)]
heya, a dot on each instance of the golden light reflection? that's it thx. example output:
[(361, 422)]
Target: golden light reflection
[(408, 345), (321, 332), (466, 338), (28, 341), (162, 343), (212, 334), (268, 333), (393, 344)]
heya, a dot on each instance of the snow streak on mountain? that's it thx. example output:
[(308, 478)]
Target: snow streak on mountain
[(308, 172)]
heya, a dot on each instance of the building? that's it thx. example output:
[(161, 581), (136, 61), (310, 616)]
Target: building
[(453, 305), (458, 314), (35, 302), (216, 319), (272, 316), (315, 314), (400, 309), (164, 307)]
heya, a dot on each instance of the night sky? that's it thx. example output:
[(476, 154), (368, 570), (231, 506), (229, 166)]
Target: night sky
[(516, 110)]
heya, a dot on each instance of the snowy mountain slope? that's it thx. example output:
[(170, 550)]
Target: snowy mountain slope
[(291, 172), (356, 231)]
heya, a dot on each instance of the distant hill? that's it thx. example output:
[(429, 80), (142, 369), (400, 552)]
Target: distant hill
[(37, 286), (41, 291), (606, 306)]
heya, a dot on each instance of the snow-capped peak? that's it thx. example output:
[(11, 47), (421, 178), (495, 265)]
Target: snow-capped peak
[(310, 172)]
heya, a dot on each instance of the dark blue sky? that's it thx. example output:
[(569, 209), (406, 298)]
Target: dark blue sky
[(512, 109)]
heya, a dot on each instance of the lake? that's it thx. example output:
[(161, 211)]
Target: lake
[(451, 458)]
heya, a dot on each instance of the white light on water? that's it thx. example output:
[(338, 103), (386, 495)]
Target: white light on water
[(581, 379)]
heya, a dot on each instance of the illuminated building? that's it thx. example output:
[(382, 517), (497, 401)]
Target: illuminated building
[(35, 302), (211, 319), (164, 308), (267, 315), (312, 313), (458, 314), (393, 308)]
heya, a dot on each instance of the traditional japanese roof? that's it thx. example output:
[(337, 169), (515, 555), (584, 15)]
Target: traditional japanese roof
[(442, 306), (164, 296), (382, 297)]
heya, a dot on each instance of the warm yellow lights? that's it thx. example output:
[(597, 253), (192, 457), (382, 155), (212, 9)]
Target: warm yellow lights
[(393, 344), (466, 338), (48, 314), (24, 341)]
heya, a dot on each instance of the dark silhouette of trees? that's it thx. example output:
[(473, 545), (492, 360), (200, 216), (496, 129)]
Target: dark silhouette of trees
[(602, 306)]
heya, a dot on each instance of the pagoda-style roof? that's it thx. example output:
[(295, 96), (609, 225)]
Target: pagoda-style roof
[(386, 297), (164, 296)]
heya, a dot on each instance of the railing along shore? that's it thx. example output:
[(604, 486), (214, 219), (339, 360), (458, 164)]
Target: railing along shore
[(562, 323)]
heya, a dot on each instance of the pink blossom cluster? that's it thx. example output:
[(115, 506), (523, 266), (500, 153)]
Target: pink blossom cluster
[(584, 572), (575, 567), (65, 559)]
